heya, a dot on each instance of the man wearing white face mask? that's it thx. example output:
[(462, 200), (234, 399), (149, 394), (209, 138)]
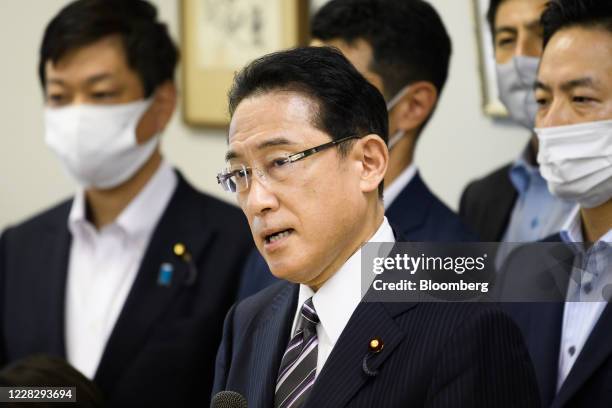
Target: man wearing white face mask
[(130, 280), (512, 204), (402, 48), (571, 342)]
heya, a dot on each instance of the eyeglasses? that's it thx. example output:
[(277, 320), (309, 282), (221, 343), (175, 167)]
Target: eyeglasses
[(237, 178)]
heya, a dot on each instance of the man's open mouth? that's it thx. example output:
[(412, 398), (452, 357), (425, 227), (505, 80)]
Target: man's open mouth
[(278, 235)]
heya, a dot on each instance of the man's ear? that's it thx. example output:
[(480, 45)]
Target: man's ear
[(156, 118), (415, 106), (374, 158)]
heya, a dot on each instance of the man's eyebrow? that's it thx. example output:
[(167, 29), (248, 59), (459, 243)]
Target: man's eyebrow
[(98, 77), (540, 85), (231, 155), (578, 82), (569, 85), (505, 29), (90, 80), (531, 25), (277, 141)]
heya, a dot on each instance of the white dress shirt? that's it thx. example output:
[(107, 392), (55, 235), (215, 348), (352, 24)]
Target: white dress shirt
[(395, 188), (338, 298), (103, 266), (584, 305)]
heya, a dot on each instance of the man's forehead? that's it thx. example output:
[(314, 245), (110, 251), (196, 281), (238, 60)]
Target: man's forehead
[(517, 13), (577, 53), (270, 115), (103, 56)]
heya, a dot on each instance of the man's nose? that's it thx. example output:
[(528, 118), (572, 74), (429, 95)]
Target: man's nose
[(259, 197), (528, 45)]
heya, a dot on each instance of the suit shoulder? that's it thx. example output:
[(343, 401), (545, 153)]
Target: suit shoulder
[(489, 182), (455, 316), (213, 210), (58, 214), (451, 226), (254, 305)]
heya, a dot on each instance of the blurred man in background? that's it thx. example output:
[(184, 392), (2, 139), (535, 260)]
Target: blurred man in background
[(402, 48), (131, 278), (571, 342), (513, 204)]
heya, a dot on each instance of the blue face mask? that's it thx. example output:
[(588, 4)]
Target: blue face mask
[(399, 134), (515, 81)]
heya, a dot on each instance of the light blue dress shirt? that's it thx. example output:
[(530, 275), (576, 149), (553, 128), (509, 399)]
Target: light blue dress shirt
[(537, 213), (590, 286)]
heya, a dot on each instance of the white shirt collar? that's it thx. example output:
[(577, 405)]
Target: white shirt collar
[(140, 217), (338, 298), (395, 188), (572, 227)]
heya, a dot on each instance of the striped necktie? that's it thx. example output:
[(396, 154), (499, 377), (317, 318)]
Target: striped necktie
[(296, 375)]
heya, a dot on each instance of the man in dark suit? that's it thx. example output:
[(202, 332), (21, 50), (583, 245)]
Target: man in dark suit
[(130, 280), (512, 203), (403, 49), (571, 341), (307, 158)]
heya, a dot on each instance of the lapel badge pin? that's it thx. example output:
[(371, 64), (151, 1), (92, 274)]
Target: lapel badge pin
[(376, 345), (165, 274), (180, 250)]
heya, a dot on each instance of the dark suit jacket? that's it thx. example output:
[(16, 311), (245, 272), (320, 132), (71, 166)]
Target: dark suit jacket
[(420, 216), (416, 214), (486, 204), (162, 348), (434, 355), (589, 383)]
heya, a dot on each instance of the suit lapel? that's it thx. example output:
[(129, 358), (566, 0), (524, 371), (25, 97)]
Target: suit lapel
[(596, 350), (52, 288), (506, 198), (547, 320), (272, 335), (148, 299), (545, 327), (343, 373)]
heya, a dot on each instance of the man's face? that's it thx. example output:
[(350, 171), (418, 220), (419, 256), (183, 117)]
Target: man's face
[(317, 206), (517, 29), (575, 78), (94, 74), (99, 74)]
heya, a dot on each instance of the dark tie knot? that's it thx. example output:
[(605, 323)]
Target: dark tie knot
[(309, 318)]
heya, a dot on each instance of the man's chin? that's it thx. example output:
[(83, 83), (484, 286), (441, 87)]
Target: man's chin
[(288, 272)]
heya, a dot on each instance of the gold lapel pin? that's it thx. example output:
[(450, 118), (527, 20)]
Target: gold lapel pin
[(376, 345)]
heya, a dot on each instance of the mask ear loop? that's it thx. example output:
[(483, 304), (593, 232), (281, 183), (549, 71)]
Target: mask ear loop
[(397, 136)]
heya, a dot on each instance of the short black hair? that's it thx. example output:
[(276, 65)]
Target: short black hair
[(149, 50), (408, 38), (491, 14), (560, 14), (346, 103)]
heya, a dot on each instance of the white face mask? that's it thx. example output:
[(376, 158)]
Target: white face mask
[(399, 134), (576, 161), (97, 144), (515, 81)]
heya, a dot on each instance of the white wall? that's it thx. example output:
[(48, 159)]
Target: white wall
[(459, 144)]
